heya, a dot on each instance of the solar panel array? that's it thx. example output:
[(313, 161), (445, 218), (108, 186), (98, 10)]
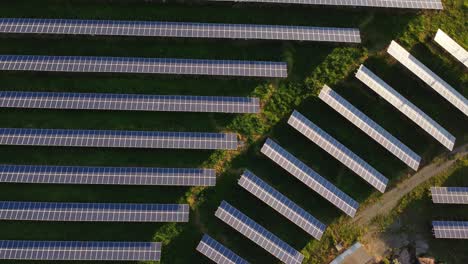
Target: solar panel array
[(80, 250), (107, 175), (117, 139), (405, 107), (143, 65), (258, 234), (177, 29), (93, 212), (429, 77), (450, 195), (309, 177), (338, 151), (371, 128), (450, 229), (129, 102), (452, 47), (217, 252), (410, 4), (282, 204)]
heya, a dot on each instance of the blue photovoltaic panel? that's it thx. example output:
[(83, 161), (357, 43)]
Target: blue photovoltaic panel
[(80, 250), (450, 195), (129, 102), (143, 65), (410, 4), (405, 107), (107, 175), (177, 29), (258, 234), (309, 177), (217, 252), (429, 77), (371, 128), (117, 139), (93, 212), (282, 204), (452, 47), (450, 229), (338, 151)]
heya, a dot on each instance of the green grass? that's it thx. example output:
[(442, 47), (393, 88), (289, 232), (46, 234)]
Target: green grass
[(310, 66)]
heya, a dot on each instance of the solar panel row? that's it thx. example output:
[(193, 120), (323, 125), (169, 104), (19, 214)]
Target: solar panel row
[(217, 252), (177, 29), (429, 77), (406, 107), (450, 229), (452, 47), (371, 128), (143, 65), (450, 195), (309, 177), (93, 212), (258, 234), (107, 175), (410, 4), (129, 102), (282, 204), (79, 250), (117, 139), (338, 151)]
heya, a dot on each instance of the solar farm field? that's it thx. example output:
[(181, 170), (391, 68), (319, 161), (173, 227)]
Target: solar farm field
[(310, 66)]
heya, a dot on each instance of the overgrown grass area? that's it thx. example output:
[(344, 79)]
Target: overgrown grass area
[(310, 64)]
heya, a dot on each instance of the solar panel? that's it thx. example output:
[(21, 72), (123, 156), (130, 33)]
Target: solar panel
[(282, 204), (217, 252), (143, 65), (450, 195), (429, 77), (258, 234), (451, 47), (371, 128), (409, 4), (177, 29), (450, 229), (117, 139), (406, 107), (80, 250), (338, 151), (309, 177), (93, 212), (129, 102), (107, 175)]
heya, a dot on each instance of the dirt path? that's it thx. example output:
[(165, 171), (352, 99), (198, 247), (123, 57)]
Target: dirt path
[(390, 199)]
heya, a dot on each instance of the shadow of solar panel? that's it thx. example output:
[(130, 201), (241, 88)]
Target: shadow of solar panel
[(93, 212), (450, 229), (338, 151), (258, 234), (129, 102), (217, 252), (449, 195), (107, 175), (117, 139), (281, 204), (177, 29), (309, 177), (143, 65), (80, 250), (405, 107), (371, 128), (452, 47), (408, 4), (429, 77)]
